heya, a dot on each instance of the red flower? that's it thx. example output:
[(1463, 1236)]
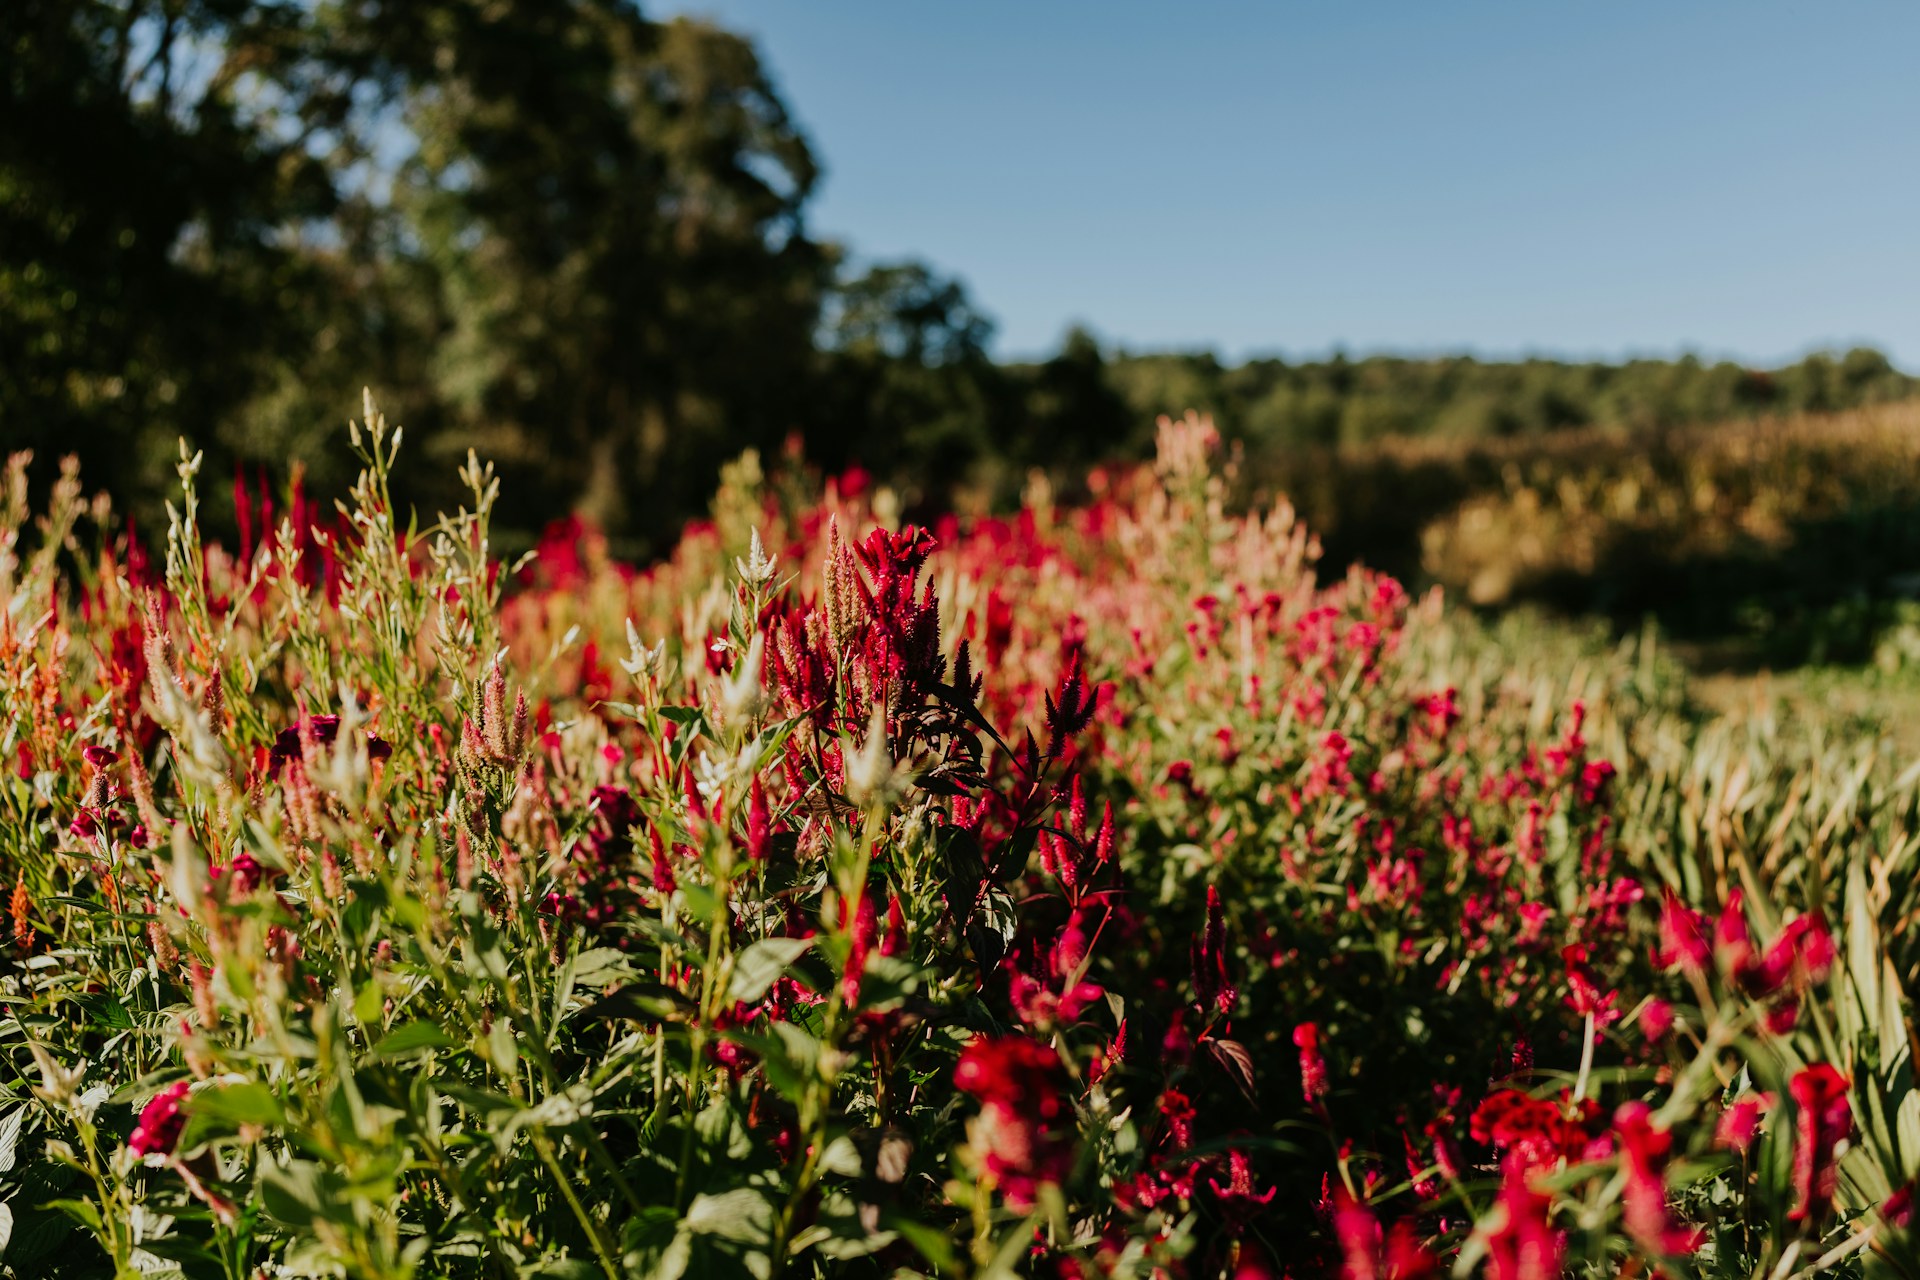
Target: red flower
[(1683, 937), (1313, 1067), (323, 730), (1732, 945), (759, 824), (1533, 1129), (158, 1130), (1801, 955), (1644, 1149), (1178, 1109), (1365, 1255), (1586, 997), (1018, 1136), (1523, 1244), (246, 872), (1825, 1119), (1897, 1209), (1656, 1020), (1740, 1122), (1239, 1187), (1210, 981)]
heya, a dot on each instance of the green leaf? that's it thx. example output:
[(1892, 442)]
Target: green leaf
[(934, 1244), (742, 1214), (599, 966), (368, 1003), (82, 1211), (484, 1102), (756, 968), (238, 1104), (295, 1194), (411, 1038), (10, 1137), (500, 1048)]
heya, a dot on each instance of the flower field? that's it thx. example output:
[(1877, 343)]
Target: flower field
[(1093, 891)]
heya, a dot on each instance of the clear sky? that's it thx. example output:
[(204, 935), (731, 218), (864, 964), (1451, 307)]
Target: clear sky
[(1592, 178)]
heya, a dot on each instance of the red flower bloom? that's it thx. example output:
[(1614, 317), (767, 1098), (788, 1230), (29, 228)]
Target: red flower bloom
[(1656, 1020), (1644, 1149), (1534, 1129), (1683, 937), (1740, 1122), (246, 872), (1898, 1207), (158, 1130), (1210, 982), (1178, 1109), (1019, 1135), (1825, 1119), (1313, 1067), (1523, 1244), (1366, 1255), (1586, 997), (323, 730)]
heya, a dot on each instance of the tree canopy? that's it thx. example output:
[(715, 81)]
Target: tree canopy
[(575, 238)]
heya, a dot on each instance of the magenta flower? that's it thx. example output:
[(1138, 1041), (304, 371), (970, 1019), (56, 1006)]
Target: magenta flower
[(323, 730), (1644, 1150), (1022, 1136), (1313, 1067), (158, 1130), (1825, 1120), (1740, 1122)]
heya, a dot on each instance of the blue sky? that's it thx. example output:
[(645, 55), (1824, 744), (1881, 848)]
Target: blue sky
[(1568, 178)]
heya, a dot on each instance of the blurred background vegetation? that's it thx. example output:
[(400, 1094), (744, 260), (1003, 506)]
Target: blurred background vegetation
[(576, 239)]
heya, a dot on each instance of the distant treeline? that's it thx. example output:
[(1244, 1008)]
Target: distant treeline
[(1342, 401), (575, 239)]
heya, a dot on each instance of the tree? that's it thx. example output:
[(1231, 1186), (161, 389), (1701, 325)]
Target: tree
[(146, 184), (609, 211), (906, 387)]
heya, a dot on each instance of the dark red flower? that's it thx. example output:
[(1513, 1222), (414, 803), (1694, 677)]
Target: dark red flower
[(1313, 1067), (1644, 1150), (1824, 1120), (1210, 982), (1740, 1122), (243, 875), (1683, 937), (1585, 995), (158, 1129), (1368, 1255), (1022, 1136), (323, 730), (1524, 1244)]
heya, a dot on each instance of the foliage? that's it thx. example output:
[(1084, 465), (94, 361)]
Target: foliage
[(1789, 539), (575, 237), (1094, 891), (1273, 404)]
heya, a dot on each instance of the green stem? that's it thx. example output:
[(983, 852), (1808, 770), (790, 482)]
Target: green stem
[(602, 1250)]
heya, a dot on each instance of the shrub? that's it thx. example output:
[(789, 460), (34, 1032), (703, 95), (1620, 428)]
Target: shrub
[(1090, 892)]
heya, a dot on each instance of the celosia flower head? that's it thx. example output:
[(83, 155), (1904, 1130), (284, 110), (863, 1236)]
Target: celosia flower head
[(323, 730), (1644, 1150), (161, 1120), (1522, 1243), (1824, 1119), (1022, 1136)]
